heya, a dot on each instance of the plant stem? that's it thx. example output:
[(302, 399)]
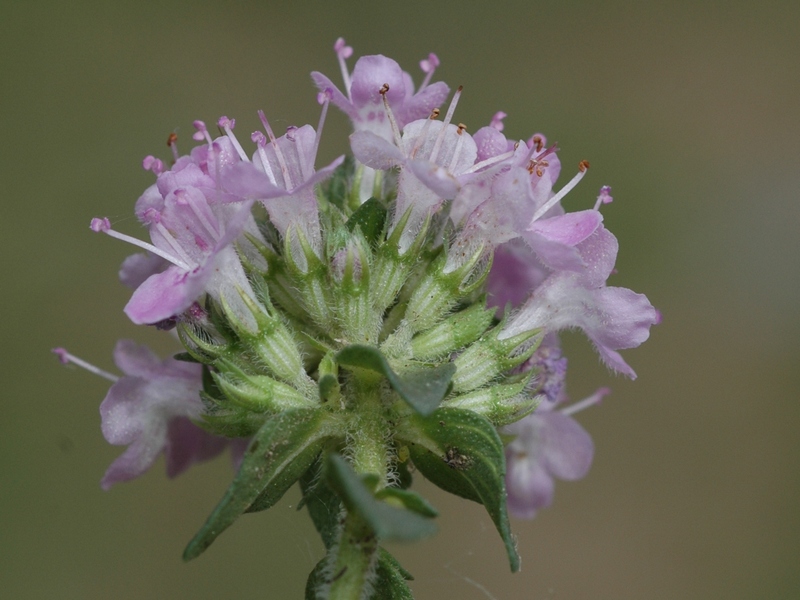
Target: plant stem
[(355, 560), (357, 550)]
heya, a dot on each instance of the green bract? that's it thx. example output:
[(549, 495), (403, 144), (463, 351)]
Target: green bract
[(365, 361)]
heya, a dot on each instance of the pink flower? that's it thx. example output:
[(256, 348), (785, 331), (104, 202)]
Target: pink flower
[(150, 409), (612, 317), (361, 99), (282, 176), (549, 444)]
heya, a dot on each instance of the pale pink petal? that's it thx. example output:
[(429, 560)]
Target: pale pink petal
[(438, 179), (337, 97), (421, 105), (374, 151), (166, 294), (136, 268)]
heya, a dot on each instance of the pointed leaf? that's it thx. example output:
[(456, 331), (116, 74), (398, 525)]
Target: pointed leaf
[(390, 579), (322, 503), (370, 217), (280, 452), (388, 522), (315, 580), (461, 453), (422, 389), (409, 500)]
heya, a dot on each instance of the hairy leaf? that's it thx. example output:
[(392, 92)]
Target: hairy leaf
[(422, 389), (282, 450), (461, 453), (388, 522)]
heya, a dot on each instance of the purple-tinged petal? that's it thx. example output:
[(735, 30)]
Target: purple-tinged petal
[(514, 274), (136, 268), (187, 444), (599, 253), (529, 486), (567, 450), (613, 360), (554, 240), (549, 444), (191, 176), (369, 76), (150, 410), (166, 294), (569, 229), (490, 142), (629, 317), (554, 255), (244, 181), (136, 412), (612, 318), (436, 178), (213, 160), (421, 105), (337, 97), (151, 199), (137, 360), (375, 151)]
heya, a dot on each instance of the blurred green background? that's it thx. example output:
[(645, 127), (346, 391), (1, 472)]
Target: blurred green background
[(689, 110)]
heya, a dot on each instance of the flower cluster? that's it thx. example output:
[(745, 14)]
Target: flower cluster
[(387, 307)]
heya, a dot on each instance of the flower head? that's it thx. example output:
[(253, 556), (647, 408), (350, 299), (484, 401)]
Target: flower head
[(352, 308), (362, 100)]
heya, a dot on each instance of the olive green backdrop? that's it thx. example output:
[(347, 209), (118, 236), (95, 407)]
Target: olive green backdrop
[(689, 111)]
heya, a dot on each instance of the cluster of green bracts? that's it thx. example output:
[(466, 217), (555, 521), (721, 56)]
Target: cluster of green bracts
[(367, 365)]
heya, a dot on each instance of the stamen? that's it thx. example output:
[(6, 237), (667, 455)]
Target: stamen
[(604, 197), (538, 142), (176, 247), (104, 226), (287, 180), (228, 125), (398, 140), (261, 141), (301, 159), (172, 142), (595, 398), (537, 148), (424, 132), (344, 52), (459, 145), (490, 161), (181, 197), (497, 120), (562, 192), (66, 358), (324, 98), (428, 67), (451, 109), (151, 163), (201, 133)]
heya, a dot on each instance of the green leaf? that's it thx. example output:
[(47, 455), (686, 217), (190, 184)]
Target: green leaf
[(390, 579), (336, 188), (461, 453), (370, 217), (185, 357), (408, 500), (282, 450), (323, 505), (328, 387), (315, 580), (422, 389), (388, 522)]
